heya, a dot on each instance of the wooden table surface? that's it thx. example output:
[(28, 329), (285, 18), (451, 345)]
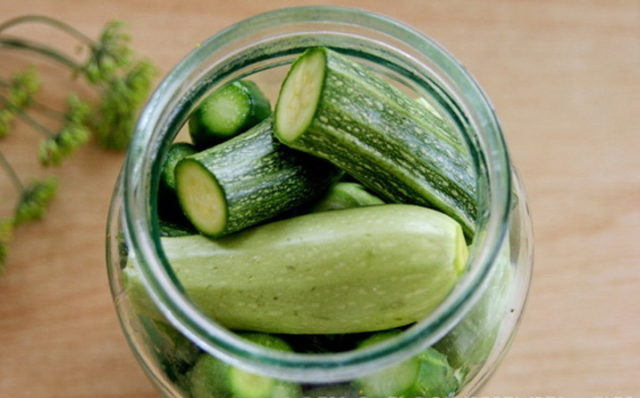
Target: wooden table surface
[(565, 79)]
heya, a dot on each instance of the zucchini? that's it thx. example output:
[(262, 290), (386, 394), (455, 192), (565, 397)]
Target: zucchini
[(177, 151), (427, 375), (212, 378), (422, 101), (172, 220), (344, 271), (395, 381), (344, 195), (339, 110), (247, 180), (436, 378), (208, 378), (228, 111)]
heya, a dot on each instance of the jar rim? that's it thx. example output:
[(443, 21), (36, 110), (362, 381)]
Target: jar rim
[(138, 176)]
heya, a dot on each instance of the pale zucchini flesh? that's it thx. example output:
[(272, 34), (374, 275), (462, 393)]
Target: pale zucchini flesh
[(204, 201), (227, 112), (299, 96)]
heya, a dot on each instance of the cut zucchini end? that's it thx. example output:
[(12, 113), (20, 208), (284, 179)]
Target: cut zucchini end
[(300, 95), (201, 197), (224, 113), (177, 151)]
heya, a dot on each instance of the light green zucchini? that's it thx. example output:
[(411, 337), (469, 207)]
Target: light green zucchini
[(344, 195), (343, 271)]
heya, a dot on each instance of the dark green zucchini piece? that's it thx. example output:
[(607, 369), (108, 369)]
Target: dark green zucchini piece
[(212, 378), (172, 220), (247, 180), (339, 110), (228, 111), (177, 151)]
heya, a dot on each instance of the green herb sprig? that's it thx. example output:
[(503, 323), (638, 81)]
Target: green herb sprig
[(122, 82), (33, 200), (109, 66)]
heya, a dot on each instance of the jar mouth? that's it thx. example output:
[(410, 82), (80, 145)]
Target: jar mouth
[(459, 96)]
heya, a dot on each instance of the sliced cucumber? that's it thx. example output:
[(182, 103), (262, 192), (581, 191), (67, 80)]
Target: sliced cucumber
[(247, 180), (211, 378), (344, 271), (344, 195), (228, 111), (337, 109)]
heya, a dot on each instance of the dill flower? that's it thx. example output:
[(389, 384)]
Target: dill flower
[(34, 200), (115, 115), (70, 137), (22, 88), (109, 53)]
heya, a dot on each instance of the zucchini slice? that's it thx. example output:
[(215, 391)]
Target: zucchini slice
[(247, 180), (228, 111)]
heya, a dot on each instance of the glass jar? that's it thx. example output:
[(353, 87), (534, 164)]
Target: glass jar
[(462, 341)]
